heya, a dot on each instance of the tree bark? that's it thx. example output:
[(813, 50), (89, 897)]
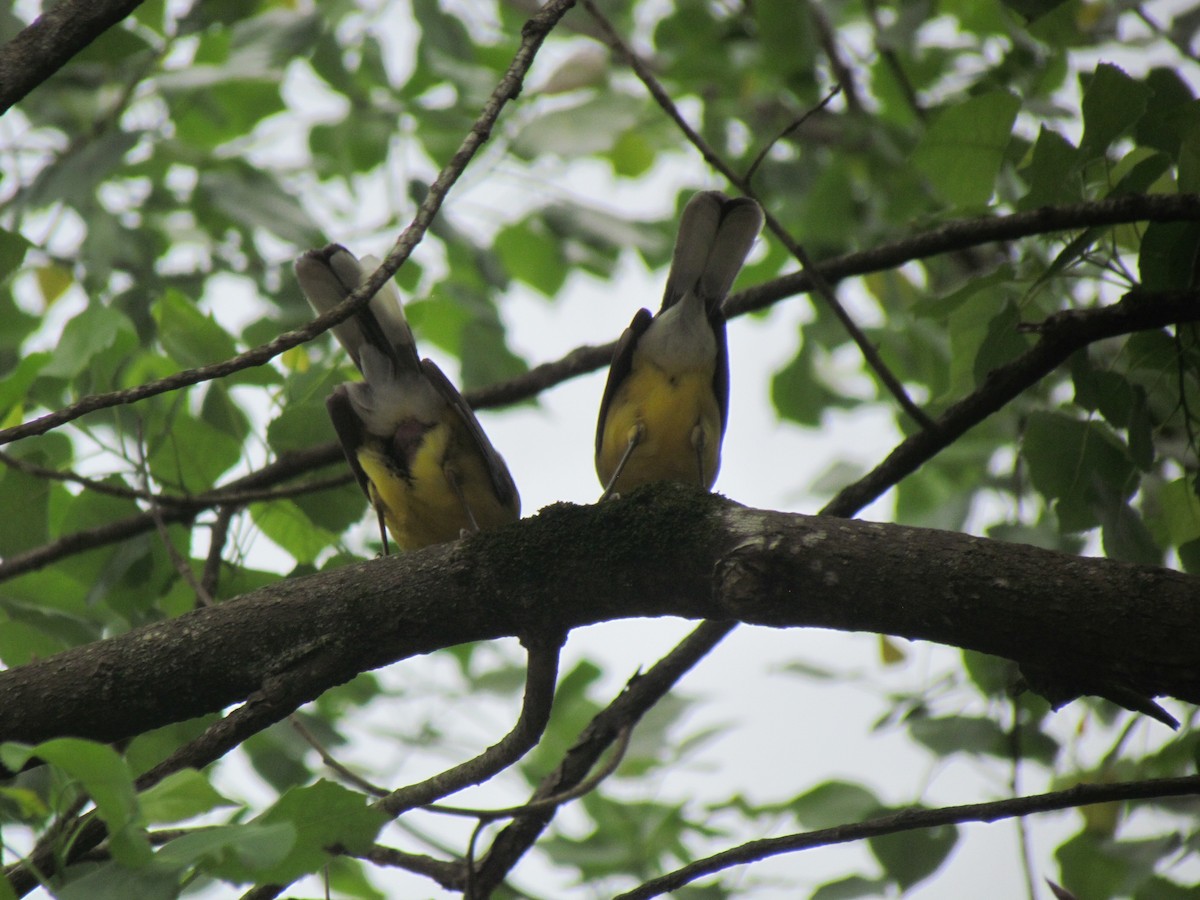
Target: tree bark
[(50, 41), (1084, 625)]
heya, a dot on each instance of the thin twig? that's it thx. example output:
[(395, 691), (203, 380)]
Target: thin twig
[(326, 757), (540, 679), (842, 71), (642, 693), (217, 536), (823, 288), (913, 819), (808, 113), (584, 787), (1060, 335), (508, 89)]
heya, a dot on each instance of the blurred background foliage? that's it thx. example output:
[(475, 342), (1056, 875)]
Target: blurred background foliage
[(154, 191)]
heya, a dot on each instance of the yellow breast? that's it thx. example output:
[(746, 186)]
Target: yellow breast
[(425, 508), (681, 429)]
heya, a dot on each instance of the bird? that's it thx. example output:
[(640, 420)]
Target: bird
[(415, 446), (662, 416)]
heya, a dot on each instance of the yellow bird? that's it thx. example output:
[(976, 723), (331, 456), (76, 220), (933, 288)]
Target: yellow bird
[(418, 451), (665, 404)]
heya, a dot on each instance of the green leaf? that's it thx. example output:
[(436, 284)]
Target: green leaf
[(851, 888), (1052, 173), (321, 816), (352, 145), (1070, 460), (993, 675), (632, 154), (106, 779), (286, 524), (180, 796), (798, 391), (14, 388), (255, 199), (90, 333), (533, 256), (114, 881), (233, 852), (1180, 511), (190, 337), (909, 857), (1098, 868), (980, 737), (191, 454), (834, 803), (593, 126), (1168, 256), (1125, 535), (299, 425), (13, 248), (1032, 10), (73, 178), (962, 150), (1171, 113), (1112, 104)]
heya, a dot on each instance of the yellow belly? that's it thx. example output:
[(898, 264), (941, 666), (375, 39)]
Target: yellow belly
[(681, 430), (425, 509)]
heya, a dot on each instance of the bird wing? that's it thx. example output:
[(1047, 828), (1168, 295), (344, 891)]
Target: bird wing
[(502, 480), (622, 364)]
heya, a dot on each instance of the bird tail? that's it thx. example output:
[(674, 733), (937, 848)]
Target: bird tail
[(715, 235), (327, 276)]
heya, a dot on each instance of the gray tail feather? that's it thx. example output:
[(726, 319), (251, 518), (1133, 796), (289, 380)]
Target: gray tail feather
[(327, 276), (715, 235)]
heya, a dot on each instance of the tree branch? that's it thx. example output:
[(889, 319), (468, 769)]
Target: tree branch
[(532, 35), (279, 695), (662, 551), (540, 681), (822, 287), (912, 819), (49, 42), (1059, 336), (641, 694)]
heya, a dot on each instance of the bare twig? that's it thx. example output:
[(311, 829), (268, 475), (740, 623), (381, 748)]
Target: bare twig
[(912, 819), (218, 535), (792, 126), (584, 787), (818, 281), (1060, 335), (605, 727), (326, 757), (840, 68), (508, 89), (540, 680)]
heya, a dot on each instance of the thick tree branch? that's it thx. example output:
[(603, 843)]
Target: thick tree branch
[(663, 551), (911, 819), (49, 42), (279, 695)]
